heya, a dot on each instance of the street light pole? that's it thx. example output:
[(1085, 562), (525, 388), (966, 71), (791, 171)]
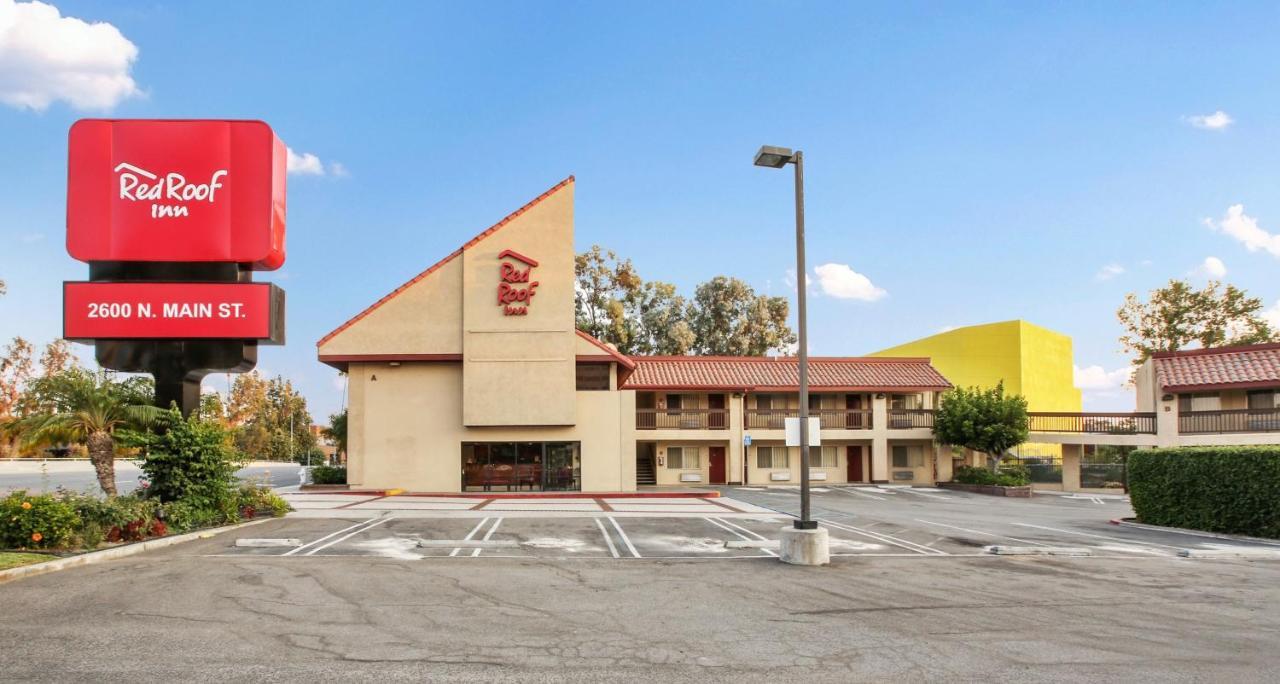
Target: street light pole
[(778, 157)]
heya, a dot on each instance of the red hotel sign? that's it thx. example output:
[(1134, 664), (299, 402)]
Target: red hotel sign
[(515, 291), (178, 191), (159, 310)]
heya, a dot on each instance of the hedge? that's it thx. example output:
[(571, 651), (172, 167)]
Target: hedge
[(1218, 489)]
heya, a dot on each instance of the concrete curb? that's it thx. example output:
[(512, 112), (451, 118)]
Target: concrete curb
[(1130, 522), (1037, 551), (117, 552), (1242, 553)]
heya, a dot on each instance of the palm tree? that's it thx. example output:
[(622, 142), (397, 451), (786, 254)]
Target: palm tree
[(91, 414)]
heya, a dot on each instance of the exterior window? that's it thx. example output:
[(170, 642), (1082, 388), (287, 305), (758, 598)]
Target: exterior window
[(908, 457), (906, 401), (772, 457), (1206, 401), (675, 401), (593, 377), (823, 457), (682, 458), (1264, 399), (764, 401)]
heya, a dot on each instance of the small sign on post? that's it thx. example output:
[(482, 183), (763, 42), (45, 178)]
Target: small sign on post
[(792, 430)]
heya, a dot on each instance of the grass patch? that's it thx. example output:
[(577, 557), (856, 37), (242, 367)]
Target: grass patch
[(10, 559)]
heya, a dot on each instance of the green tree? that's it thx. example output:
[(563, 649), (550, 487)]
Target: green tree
[(337, 431), (262, 414), (92, 413), (727, 317), (984, 420), (1179, 315)]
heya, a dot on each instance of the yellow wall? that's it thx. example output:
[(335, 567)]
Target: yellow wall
[(1032, 361)]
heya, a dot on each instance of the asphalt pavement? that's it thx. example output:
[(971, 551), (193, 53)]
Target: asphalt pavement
[(35, 476)]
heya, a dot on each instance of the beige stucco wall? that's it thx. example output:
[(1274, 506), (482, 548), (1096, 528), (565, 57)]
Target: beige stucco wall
[(520, 369), (424, 318), (405, 430)]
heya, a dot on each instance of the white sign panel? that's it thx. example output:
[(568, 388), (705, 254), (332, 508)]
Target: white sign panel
[(792, 429)]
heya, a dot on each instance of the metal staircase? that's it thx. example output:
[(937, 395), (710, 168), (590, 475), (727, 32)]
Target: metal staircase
[(645, 474)]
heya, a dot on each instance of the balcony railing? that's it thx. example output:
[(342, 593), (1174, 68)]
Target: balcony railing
[(682, 419), (1094, 423), (1233, 420), (905, 419), (829, 419)]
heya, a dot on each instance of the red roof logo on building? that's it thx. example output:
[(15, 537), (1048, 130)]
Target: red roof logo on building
[(515, 287)]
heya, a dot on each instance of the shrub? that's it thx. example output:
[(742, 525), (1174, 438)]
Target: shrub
[(192, 459), (36, 521), (120, 518), (1218, 489), (329, 475), (1009, 476), (255, 501)]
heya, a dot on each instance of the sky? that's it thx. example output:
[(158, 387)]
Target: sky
[(965, 162)]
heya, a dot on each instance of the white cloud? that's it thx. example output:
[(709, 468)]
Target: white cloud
[(1272, 315), (1108, 272), (790, 279), (338, 170), (1097, 378), (1216, 121), (1212, 267), (1244, 228), (305, 164), (45, 57), (842, 282)]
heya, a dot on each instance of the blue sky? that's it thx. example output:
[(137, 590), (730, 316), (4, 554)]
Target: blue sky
[(975, 162)]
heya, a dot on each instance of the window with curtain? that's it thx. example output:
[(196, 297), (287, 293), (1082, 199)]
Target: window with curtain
[(823, 457), (905, 456), (682, 458), (771, 457)]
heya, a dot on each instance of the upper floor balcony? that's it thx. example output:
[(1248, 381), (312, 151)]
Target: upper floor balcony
[(1229, 421), (682, 419), (1093, 423), (829, 419)]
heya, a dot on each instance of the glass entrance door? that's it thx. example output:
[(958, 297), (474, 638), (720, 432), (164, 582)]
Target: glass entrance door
[(521, 466)]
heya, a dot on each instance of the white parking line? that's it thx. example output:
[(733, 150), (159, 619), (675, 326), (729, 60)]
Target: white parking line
[(488, 534), (750, 532), (1099, 536), (985, 534), (327, 536), (879, 536), (623, 536), (932, 496), (608, 540), (470, 534), (721, 524), (341, 539), (854, 490)]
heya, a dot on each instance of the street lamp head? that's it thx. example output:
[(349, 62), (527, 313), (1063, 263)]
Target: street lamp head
[(773, 157)]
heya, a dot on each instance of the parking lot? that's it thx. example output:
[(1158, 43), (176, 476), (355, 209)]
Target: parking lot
[(742, 524)]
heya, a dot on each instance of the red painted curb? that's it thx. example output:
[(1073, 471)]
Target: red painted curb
[(529, 495)]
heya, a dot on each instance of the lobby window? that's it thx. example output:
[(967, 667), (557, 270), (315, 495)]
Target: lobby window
[(908, 457), (593, 377), (771, 457), (682, 458), (823, 457)]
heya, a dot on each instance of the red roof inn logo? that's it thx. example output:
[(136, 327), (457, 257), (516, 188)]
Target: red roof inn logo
[(515, 291), (176, 191), (169, 195)]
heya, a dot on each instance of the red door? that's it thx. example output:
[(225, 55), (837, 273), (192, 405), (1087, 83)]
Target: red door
[(855, 464), (853, 419), (717, 465)]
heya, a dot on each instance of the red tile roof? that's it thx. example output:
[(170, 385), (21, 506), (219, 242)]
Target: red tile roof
[(782, 373), (1222, 368), (432, 269)]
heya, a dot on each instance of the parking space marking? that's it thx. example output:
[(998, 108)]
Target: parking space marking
[(985, 534), (623, 536), (470, 534), (855, 490), (722, 525), (607, 539), (1099, 536), (487, 535), (327, 536), (371, 524), (888, 539)]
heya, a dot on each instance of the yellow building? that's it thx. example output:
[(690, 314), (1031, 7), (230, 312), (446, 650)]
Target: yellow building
[(1032, 361)]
